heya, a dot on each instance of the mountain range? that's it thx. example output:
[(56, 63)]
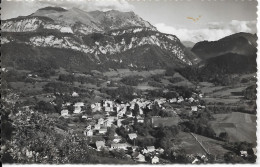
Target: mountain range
[(55, 37), (103, 39)]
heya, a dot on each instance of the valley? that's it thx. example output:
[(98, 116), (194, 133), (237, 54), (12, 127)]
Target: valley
[(109, 88)]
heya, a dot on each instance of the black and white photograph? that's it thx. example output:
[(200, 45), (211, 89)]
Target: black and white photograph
[(128, 82)]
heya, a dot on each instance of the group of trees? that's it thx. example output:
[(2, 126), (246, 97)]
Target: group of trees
[(199, 123), (132, 80), (122, 92), (72, 78), (36, 141), (234, 156)]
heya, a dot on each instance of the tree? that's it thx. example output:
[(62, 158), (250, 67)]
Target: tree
[(45, 107), (165, 143), (223, 136), (111, 133), (136, 111)]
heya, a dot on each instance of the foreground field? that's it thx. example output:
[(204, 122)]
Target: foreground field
[(239, 126)]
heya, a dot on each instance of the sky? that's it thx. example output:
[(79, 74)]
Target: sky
[(215, 19)]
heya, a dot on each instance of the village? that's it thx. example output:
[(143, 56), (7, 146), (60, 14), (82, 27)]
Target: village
[(113, 115)]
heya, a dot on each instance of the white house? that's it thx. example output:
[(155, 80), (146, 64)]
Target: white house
[(99, 145), (191, 99), (243, 153), (77, 107), (173, 100), (74, 94), (117, 139), (107, 123), (119, 122), (101, 121), (109, 109), (140, 158), (97, 127), (108, 103), (102, 131), (180, 99), (89, 133), (194, 108), (132, 136), (150, 148), (155, 160), (64, 113), (96, 107)]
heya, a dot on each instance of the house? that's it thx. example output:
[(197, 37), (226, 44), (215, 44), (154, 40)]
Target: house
[(107, 123), (96, 107), (160, 150), (194, 108), (77, 107), (132, 136), (97, 127), (140, 119), (119, 146), (88, 127), (180, 99), (140, 158), (102, 131), (99, 145), (155, 160), (173, 100), (89, 133), (254, 150), (64, 113), (119, 122), (191, 99), (84, 117), (120, 114), (74, 94), (243, 153), (145, 151), (109, 109), (150, 148), (101, 121), (117, 139), (108, 103), (196, 160)]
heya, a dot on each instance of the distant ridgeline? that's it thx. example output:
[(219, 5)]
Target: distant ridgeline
[(235, 54)]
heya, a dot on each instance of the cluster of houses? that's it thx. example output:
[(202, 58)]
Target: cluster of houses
[(113, 113), (148, 154)]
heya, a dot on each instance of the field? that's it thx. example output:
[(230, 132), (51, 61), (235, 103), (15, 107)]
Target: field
[(239, 126), (168, 121), (187, 142)]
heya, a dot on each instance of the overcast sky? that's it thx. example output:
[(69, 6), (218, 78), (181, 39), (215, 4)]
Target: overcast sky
[(217, 18)]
